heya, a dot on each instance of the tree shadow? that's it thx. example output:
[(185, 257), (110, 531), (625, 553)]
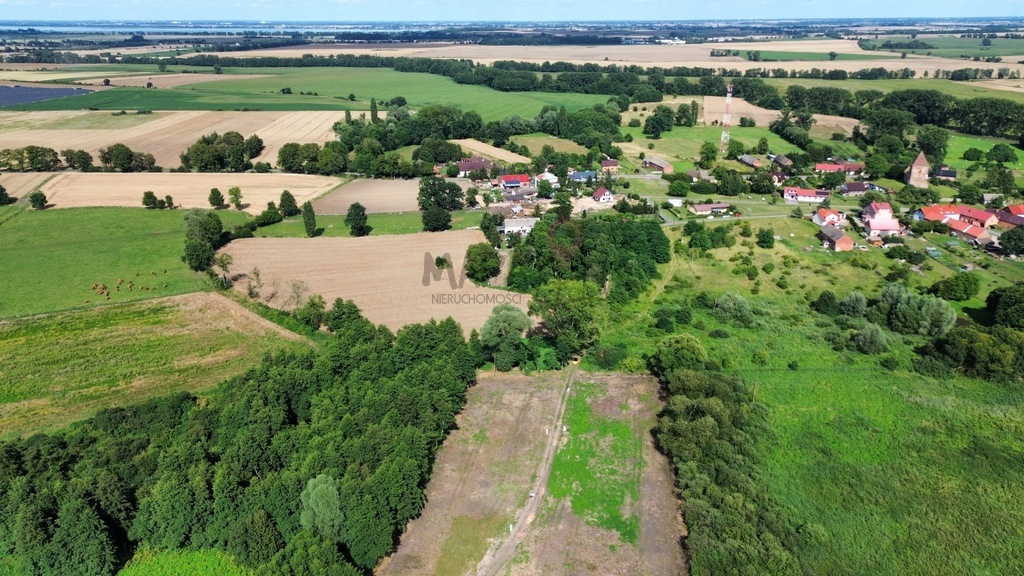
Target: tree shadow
[(980, 315), (318, 232)]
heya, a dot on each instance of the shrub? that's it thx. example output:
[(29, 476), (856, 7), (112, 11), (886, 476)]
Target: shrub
[(718, 333)]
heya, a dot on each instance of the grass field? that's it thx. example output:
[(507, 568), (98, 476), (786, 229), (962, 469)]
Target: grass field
[(955, 47), (57, 256), (333, 85), (957, 89), (182, 563), (64, 367), (682, 145), (593, 467)]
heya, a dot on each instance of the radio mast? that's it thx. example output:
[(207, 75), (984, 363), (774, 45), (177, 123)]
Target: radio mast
[(726, 120)]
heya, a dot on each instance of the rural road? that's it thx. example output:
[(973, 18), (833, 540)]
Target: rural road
[(496, 558)]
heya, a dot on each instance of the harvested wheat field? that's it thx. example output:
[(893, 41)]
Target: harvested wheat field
[(189, 190), (18, 184), (165, 135), (664, 55), (383, 275), (714, 108), (479, 147), (375, 195)]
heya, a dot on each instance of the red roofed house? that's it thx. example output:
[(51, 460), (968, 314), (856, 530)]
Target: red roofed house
[(705, 209), (878, 210), (835, 239), (850, 168), (603, 195), (937, 213), (968, 232), (610, 166), (879, 220), (916, 174), (982, 218), (827, 167), (823, 217), (515, 180), (1016, 209), (794, 194)]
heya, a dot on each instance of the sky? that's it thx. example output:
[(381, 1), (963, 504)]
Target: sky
[(488, 10)]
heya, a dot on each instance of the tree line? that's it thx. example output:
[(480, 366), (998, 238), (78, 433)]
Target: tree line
[(310, 463), (116, 158)]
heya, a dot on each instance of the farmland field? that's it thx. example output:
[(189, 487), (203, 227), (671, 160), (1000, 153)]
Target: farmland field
[(536, 141), (383, 275), (374, 195), (477, 147), (59, 256), (332, 87), (165, 135), (63, 367), (189, 190)]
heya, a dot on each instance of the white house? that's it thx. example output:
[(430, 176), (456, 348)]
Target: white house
[(518, 226), (603, 195)]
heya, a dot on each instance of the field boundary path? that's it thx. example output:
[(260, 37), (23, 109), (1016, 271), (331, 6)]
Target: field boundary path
[(496, 558)]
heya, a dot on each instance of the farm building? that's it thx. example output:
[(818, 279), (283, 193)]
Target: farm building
[(468, 165), (1009, 221), (782, 161), (839, 165), (968, 232), (945, 173), (603, 195), (1016, 209), (518, 226), (707, 209), (749, 160), (937, 213), (657, 165), (794, 194), (917, 173), (509, 181), (982, 218), (835, 239), (824, 217), (882, 227), (610, 166)]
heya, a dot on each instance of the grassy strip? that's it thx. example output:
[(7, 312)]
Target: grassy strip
[(593, 469), (182, 563)]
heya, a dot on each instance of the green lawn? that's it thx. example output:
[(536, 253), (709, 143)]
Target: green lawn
[(56, 257), (182, 563), (593, 468), (955, 47), (63, 367), (682, 145), (333, 85), (958, 89)]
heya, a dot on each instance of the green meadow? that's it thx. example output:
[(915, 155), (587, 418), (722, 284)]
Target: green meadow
[(955, 47), (58, 256), (383, 224), (880, 469), (957, 89), (331, 86), (182, 563)]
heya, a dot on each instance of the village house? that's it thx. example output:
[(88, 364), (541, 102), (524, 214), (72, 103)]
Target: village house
[(518, 226), (793, 194), (1016, 209), (840, 165), (510, 181), (968, 232), (1008, 221), (835, 239), (749, 160), (547, 177), (778, 178), (879, 220), (698, 175), (916, 174), (708, 209), (603, 195), (657, 165), (610, 166), (854, 189), (468, 165), (583, 176), (823, 217), (937, 213)]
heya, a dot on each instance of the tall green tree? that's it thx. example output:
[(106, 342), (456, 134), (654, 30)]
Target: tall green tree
[(708, 155), (356, 220), (934, 142), (309, 219), (235, 194), (287, 205), (562, 206), (321, 510), (482, 262), (501, 336), (567, 309)]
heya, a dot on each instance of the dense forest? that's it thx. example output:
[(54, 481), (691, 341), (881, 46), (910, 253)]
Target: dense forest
[(307, 464)]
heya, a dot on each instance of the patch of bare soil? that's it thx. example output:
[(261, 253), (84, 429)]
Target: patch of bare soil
[(375, 195), (479, 147)]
